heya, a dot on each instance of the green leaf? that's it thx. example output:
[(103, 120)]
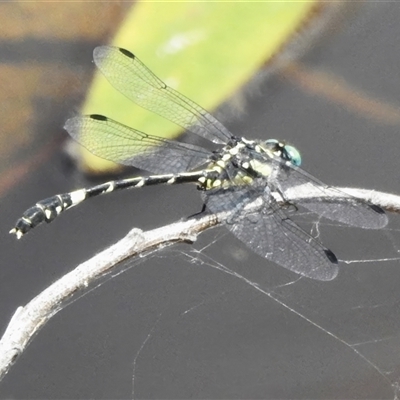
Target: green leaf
[(205, 50)]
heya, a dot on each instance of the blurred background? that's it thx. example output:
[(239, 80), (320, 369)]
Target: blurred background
[(323, 76)]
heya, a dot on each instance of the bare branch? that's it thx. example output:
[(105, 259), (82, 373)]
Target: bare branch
[(29, 319), (389, 202)]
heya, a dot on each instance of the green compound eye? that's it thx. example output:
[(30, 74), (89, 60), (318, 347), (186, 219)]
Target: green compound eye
[(293, 155), (288, 152)]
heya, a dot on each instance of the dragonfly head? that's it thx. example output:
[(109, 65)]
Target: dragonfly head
[(284, 151)]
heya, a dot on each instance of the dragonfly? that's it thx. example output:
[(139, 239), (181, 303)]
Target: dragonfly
[(247, 179)]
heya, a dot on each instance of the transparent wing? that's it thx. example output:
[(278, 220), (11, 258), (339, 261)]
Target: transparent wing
[(332, 203), (113, 141), (270, 233), (133, 79)]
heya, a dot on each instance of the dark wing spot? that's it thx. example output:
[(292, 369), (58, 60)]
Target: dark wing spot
[(98, 117), (127, 53), (331, 257), (377, 209)]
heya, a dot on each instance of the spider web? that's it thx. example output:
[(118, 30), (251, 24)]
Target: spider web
[(338, 339), (234, 325)]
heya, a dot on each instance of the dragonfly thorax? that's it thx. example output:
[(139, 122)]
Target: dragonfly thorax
[(238, 163)]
